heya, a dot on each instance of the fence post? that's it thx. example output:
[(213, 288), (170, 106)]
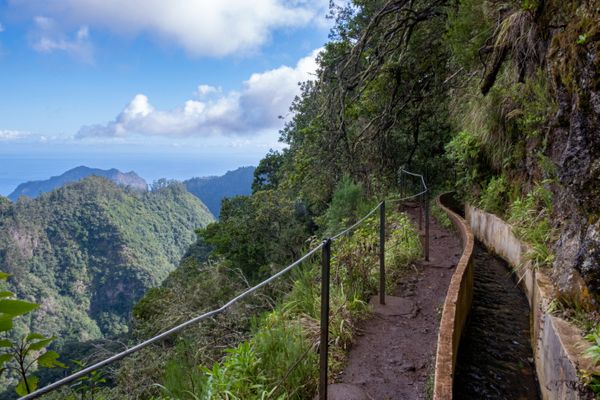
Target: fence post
[(401, 184), (382, 252), (324, 344), (427, 225), (420, 212)]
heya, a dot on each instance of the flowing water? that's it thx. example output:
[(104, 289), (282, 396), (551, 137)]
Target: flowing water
[(495, 360)]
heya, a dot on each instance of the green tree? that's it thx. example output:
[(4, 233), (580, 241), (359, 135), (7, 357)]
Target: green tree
[(22, 356), (268, 173), (258, 232)]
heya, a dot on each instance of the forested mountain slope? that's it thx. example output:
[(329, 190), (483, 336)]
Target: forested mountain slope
[(35, 188), (212, 189), (89, 250)]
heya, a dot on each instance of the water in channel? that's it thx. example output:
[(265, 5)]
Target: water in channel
[(495, 360)]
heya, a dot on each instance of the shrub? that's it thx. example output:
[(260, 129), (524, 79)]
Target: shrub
[(464, 150), (590, 379), (347, 206), (495, 196), (530, 218)]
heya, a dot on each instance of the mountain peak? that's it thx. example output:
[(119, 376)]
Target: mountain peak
[(33, 189)]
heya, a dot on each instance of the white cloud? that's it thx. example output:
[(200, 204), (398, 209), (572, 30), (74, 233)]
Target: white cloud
[(257, 106), (9, 135), (206, 90), (202, 27), (1, 27), (48, 37)]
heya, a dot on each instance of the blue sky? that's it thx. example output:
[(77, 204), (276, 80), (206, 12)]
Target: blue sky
[(114, 79)]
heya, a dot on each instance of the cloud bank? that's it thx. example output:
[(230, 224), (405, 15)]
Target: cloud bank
[(257, 106), (201, 27)]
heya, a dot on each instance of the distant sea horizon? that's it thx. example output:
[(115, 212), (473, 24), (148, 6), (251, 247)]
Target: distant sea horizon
[(17, 168)]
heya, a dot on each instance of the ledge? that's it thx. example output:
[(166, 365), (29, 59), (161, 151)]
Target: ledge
[(456, 308)]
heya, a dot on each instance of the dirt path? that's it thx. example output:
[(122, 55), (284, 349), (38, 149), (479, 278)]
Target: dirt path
[(393, 355)]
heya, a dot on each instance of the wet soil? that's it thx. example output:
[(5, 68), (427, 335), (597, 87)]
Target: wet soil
[(495, 360), (393, 355)]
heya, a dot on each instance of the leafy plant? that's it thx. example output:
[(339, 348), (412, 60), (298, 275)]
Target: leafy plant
[(593, 351), (494, 197), (534, 104), (22, 355), (530, 218), (465, 152), (590, 379)]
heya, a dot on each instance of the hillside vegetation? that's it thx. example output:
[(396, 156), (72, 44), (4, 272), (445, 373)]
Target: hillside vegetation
[(88, 251)]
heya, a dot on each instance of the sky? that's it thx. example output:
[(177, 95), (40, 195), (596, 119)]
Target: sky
[(172, 89)]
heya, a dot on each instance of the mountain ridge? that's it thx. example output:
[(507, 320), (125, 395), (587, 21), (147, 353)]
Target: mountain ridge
[(212, 189), (33, 189)]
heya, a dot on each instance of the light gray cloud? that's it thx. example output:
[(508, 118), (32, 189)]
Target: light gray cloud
[(263, 98)]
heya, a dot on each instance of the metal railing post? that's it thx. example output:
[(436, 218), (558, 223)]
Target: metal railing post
[(382, 252), (420, 213), (324, 344), (401, 184), (427, 225)]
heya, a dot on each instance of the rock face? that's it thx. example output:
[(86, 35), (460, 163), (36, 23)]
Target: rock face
[(35, 188), (574, 60)]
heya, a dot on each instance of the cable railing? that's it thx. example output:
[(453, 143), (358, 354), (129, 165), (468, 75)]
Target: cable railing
[(325, 246)]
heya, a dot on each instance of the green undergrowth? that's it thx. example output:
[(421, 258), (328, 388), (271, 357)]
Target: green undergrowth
[(528, 214), (441, 217), (530, 218), (577, 310), (590, 378), (280, 359), (580, 312)]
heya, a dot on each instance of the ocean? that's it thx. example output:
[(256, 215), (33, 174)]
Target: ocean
[(19, 168)]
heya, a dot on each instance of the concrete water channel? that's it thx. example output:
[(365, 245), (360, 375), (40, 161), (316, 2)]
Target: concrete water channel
[(495, 357)]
